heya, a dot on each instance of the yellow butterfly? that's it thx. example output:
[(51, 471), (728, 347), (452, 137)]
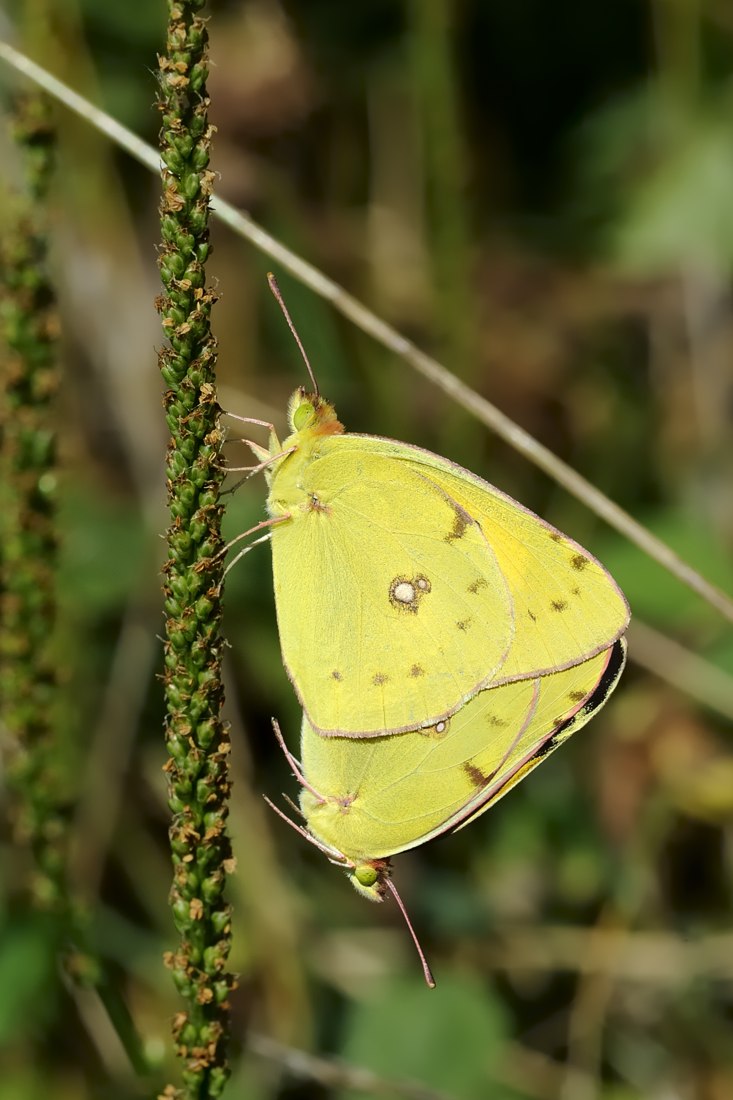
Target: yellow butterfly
[(364, 800), (405, 584)]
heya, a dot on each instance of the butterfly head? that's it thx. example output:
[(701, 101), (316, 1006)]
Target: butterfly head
[(369, 878), (312, 414)]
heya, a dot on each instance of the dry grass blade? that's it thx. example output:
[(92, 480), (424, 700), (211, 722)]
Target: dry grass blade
[(333, 1073), (684, 670)]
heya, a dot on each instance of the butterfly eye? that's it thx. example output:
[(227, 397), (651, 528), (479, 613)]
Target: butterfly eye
[(366, 875), (302, 415)]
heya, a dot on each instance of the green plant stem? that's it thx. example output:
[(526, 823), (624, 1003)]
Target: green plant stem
[(196, 738), (28, 671), (436, 86), (40, 761)]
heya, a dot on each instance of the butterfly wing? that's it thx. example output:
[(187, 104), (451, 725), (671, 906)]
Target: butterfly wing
[(383, 795), (567, 607), (553, 695), (392, 607), (404, 584)]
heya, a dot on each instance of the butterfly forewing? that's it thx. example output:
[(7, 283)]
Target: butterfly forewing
[(405, 584), (567, 607), (392, 607)]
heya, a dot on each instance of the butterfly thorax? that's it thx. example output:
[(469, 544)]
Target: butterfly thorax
[(331, 819), (312, 420), (323, 817)]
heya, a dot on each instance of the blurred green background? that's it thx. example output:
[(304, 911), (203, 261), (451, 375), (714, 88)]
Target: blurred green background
[(540, 194)]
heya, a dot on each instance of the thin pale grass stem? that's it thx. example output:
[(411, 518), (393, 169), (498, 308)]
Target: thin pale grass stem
[(586, 1023), (525, 1070), (685, 671), (112, 744), (336, 1074), (390, 338), (637, 957)]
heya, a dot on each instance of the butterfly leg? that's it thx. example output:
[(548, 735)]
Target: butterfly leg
[(293, 762)]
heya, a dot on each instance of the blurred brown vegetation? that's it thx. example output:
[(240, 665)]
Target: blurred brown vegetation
[(540, 194)]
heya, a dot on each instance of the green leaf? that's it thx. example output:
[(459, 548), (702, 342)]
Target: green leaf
[(653, 593), (681, 213), (27, 978), (449, 1039), (104, 548)]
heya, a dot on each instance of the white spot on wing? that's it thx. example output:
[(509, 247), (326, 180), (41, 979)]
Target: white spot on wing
[(404, 592)]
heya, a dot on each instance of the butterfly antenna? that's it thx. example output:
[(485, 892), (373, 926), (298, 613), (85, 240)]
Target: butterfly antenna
[(430, 980), (280, 301)]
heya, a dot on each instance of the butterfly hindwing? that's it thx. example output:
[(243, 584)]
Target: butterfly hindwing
[(384, 795), (556, 692)]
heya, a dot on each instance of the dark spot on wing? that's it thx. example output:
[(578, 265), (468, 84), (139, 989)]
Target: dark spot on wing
[(461, 520), (575, 591), (532, 616), (556, 536), (497, 723), (479, 583), (579, 562), (559, 605), (464, 624), (605, 685), (416, 671), (336, 675), (475, 774), (577, 696), (550, 744), (380, 678)]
